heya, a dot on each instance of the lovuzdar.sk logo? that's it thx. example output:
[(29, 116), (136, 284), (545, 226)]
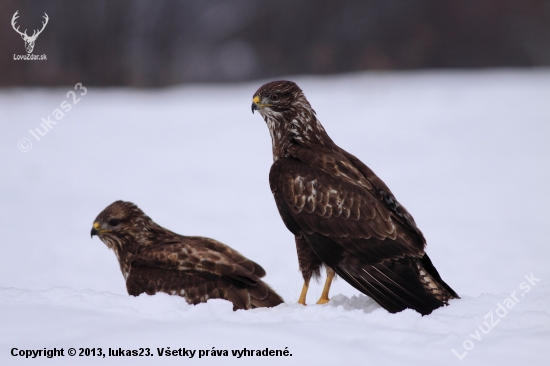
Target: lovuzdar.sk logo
[(29, 40)]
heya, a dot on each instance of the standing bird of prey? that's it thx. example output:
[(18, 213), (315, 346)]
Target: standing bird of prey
[(153, 259), (342, 215)]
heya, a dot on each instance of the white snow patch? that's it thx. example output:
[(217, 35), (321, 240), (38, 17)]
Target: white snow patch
[(465, 152)]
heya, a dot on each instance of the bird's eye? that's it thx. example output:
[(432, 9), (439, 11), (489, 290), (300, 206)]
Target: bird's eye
[(113, 222), (274, 97)]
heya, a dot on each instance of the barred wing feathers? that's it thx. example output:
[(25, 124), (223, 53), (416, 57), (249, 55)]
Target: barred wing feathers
[(204, 258), (357, 228), (153, 259)]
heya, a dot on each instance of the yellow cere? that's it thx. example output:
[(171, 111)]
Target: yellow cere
[(96, 225), (256, 99)]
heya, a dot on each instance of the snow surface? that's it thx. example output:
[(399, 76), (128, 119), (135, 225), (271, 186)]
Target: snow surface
[(466, 152)]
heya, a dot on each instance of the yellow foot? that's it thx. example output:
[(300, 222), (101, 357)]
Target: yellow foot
[(302, 298), (323, 300), (324, 296)]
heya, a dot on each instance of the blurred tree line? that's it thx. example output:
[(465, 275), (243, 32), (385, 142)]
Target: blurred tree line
[(163, 42)]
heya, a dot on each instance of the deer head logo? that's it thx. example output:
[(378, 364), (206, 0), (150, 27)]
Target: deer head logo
[(29, 40)]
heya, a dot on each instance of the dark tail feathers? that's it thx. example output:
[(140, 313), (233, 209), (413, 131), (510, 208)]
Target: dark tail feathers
[(400, 284)]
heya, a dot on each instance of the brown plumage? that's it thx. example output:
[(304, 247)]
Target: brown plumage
[(153, 259), (342, 215)]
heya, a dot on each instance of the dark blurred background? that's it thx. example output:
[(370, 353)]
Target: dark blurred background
[(159, 42)]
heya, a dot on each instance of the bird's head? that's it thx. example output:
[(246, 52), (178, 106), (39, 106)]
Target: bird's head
[(119, 221), (279, 97), (288, 116)]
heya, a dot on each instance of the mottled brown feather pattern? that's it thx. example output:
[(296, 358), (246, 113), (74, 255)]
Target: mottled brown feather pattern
[(153, 259), (308, 262), (341, 212)]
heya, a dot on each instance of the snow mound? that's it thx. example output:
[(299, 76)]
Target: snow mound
[(476, 329), (466, 152)]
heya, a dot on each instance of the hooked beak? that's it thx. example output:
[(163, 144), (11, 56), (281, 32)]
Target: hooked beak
[(255, 104), (95, 230)]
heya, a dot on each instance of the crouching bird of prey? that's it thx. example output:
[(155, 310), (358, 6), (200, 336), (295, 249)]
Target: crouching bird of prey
[(342, 215), (153, 259)]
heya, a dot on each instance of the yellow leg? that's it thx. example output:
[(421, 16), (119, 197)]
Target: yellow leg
[(324, 296), (302, 299)]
